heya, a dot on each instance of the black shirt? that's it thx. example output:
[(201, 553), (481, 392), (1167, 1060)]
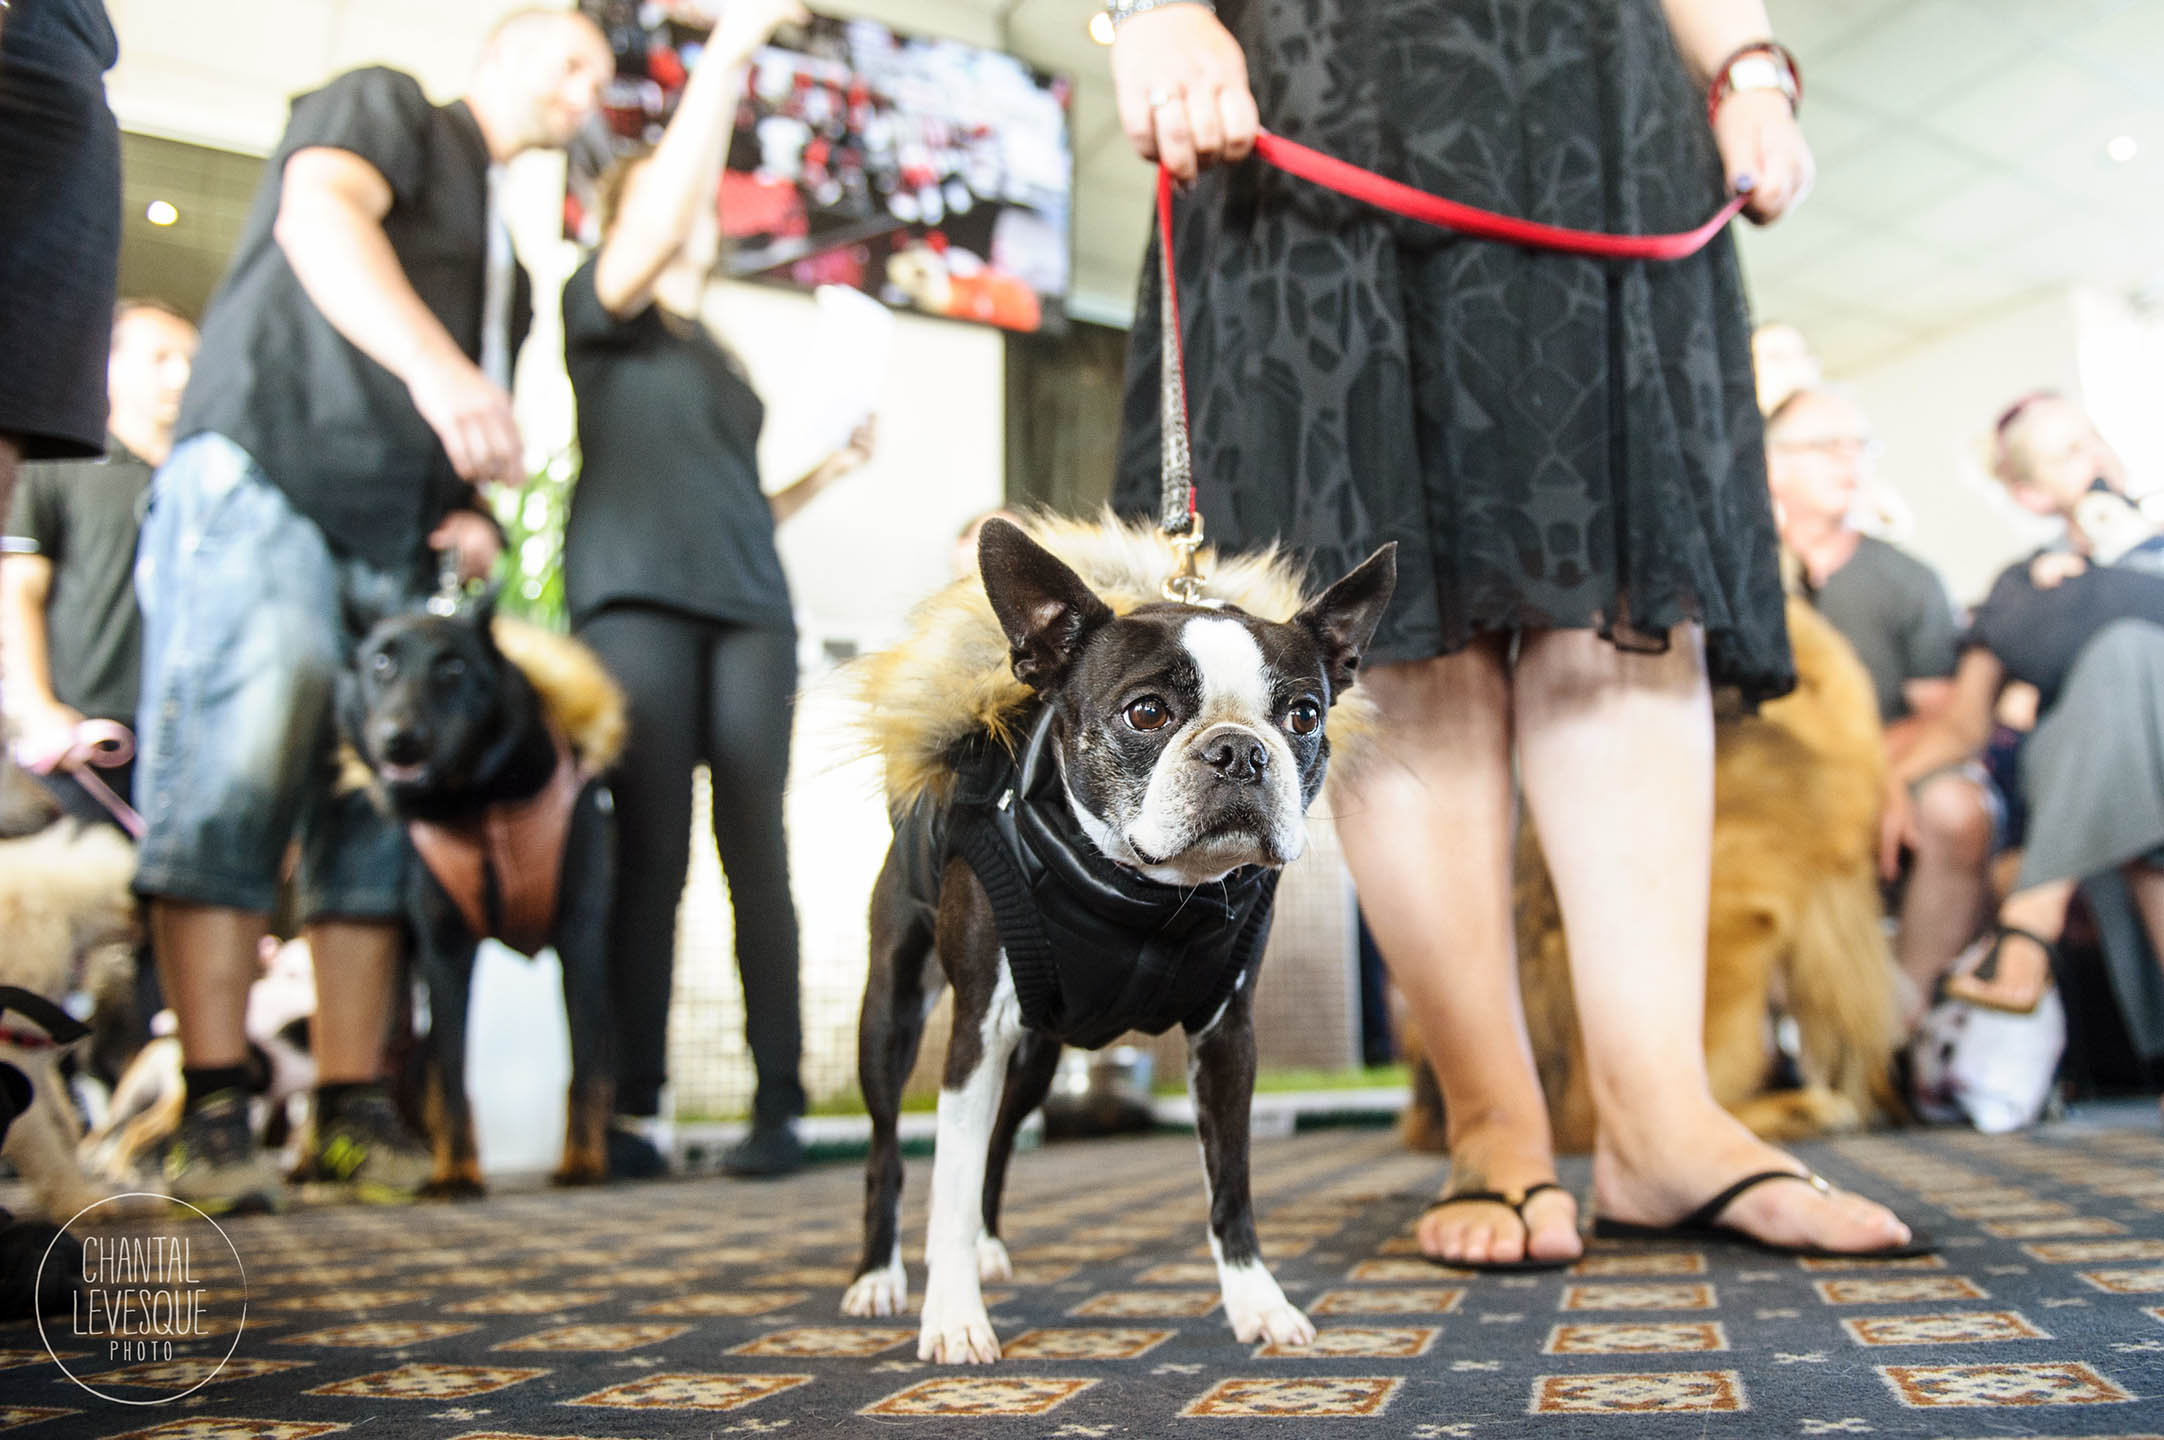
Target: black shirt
[(83, 516), (2036, 634), (668, 509), (334, 430), (1894, 612)]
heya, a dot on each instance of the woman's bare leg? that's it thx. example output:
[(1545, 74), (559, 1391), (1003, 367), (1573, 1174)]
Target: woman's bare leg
[(1426, 822), (1616, 751)]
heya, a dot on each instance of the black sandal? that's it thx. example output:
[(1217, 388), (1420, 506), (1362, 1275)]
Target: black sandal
[(1516, 1205), (1986, 970), (1703, 1224)]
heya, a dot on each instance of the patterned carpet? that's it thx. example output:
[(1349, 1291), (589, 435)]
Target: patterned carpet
[(703, 1307)]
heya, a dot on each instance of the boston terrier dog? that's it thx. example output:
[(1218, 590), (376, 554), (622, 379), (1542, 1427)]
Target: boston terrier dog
[(1099, 856)]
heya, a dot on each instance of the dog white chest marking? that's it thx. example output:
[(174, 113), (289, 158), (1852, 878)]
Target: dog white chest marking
[(956, 1328)]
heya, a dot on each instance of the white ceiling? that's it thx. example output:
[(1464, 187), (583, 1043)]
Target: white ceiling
[(1960, 143)]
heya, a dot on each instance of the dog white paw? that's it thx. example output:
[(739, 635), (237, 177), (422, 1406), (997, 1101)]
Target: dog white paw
[(992, 1261), (956, 1333), (1258, 1309), (1281, 1324), (878, 1292)]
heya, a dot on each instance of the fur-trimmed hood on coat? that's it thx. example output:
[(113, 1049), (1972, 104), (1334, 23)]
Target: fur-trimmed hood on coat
[(950, 678)]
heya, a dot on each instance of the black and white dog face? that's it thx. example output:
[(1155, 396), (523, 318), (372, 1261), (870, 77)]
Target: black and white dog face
[(1190, 739)]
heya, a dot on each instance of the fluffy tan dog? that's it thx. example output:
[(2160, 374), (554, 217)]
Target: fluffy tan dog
[(1794, 925), (67, 916)]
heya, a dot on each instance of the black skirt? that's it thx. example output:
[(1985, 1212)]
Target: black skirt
[(59, 226), (1555, 442)]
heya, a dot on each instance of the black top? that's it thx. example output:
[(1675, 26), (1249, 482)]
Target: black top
[(2036, 634), (334, 430), (1893, 609), (668, 509), (83, 516), (59, 225), (1095, 949)]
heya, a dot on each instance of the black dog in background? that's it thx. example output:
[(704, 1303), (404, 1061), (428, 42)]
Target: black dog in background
[(490, 762)]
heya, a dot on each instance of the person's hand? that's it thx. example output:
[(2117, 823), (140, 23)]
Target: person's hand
[(471, 415), (856, 451), (1896, 828), (1763, 152), (2052, 568), (44, 734), (469, 535), (1182, 87)]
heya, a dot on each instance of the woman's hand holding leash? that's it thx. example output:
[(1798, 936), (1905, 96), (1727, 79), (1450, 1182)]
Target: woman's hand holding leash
[(1763, 152), (1183, 93), (475, 540)]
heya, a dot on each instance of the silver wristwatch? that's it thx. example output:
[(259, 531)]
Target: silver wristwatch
[(1122, 11)]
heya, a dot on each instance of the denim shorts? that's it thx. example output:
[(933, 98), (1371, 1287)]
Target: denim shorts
[(242, 643)]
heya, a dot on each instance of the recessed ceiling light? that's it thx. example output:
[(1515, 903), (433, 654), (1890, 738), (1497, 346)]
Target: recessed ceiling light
[(161, 212), (2123, 148), (1101, 28)]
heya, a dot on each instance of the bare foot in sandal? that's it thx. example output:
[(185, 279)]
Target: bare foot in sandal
[(1523, 1223), (2009, 970)]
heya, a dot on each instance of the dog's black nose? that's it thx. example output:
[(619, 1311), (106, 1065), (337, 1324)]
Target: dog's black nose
[(1238, 758), (405, 746)]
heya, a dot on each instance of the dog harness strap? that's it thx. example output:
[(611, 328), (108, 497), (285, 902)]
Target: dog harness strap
[(503, 870), (1094, 949)]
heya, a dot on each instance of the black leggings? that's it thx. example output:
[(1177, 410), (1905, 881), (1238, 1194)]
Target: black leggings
[(701, 691)]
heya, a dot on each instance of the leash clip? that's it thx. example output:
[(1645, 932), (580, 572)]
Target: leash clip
[(1184, 584), (450, 585)]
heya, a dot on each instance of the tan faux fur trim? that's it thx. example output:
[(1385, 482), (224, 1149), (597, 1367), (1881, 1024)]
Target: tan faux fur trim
[(576, 693), (950, 678)]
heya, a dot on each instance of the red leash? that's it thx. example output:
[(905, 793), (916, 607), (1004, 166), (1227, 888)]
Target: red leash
[(1179, 517)]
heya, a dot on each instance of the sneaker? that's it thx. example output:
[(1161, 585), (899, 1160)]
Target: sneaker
[(633, 1155), (367, 1146), (214, 1163), (768, 1151)]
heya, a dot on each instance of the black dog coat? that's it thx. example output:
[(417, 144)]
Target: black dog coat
[(1095, 949)]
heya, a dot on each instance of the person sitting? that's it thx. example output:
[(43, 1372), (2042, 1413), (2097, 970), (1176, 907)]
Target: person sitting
[(2089, 635), (71, 637), (1893, 610)]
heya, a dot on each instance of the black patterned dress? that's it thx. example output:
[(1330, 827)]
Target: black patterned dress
[(1555, 442)]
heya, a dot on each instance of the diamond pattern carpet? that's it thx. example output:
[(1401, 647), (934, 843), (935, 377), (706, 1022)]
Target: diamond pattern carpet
[(708, 1307)]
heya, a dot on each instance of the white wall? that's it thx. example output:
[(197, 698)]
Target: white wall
[(1933, 409)]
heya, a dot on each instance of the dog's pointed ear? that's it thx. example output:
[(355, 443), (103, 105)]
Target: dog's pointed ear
[(1343, 618), (368, 597), (1043, 606)]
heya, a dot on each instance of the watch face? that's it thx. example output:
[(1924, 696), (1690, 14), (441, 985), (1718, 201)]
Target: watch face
[(1760, 72)]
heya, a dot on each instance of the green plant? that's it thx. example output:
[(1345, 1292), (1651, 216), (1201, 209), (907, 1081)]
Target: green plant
[(533, 553)]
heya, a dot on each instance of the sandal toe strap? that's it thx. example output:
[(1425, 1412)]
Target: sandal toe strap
[(1707, 1213)]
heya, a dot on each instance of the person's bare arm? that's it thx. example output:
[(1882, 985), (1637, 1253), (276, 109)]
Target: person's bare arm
[(685, 168), (852, 457), (42, 723), (330, 226), (1761, 148)]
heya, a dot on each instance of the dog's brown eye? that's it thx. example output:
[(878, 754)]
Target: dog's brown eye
[(1148, 713), (1304, 718)]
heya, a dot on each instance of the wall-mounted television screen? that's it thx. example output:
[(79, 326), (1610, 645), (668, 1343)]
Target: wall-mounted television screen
[(934, 175)]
